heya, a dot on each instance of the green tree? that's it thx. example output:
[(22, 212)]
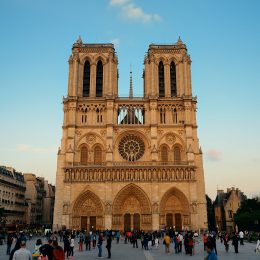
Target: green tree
[(211, 214), (248, 215)]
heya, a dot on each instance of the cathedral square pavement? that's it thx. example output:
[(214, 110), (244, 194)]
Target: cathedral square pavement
[(123, 251)]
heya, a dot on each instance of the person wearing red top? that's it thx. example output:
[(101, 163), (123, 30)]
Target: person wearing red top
[(58, 253), (205, 240)]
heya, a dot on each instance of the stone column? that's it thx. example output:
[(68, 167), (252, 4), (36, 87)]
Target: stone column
[(70, 81), (75, 75)]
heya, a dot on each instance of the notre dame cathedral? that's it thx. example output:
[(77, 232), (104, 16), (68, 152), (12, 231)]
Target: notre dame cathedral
[(129, 163)]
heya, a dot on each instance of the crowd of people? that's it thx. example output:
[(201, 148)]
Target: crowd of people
[(181, 242)]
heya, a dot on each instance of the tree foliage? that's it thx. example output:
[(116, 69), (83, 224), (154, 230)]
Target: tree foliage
[(248, 215), (210, 213)]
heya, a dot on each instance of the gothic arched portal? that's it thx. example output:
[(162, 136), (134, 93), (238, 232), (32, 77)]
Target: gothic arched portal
[(132, 209), (88, 212), (174, 210)]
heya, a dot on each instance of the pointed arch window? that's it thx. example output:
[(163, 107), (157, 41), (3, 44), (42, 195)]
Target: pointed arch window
[(99, 79), (173, 79), (164, 154), (97, 155), (86, 79), (161, 79), (84, 155), (177, 154)]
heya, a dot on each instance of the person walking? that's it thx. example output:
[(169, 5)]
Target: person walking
[(22, 253), (235, 242), (9, 243), (108, 246), (99, 245)]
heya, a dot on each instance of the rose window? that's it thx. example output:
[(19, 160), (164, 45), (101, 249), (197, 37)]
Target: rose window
[(131, 148)]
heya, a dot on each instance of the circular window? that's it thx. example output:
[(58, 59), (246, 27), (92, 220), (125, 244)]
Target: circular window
[(131, 148)]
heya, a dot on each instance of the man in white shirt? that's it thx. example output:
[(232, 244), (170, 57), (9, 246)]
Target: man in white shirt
[(241, 237), (22, 253)]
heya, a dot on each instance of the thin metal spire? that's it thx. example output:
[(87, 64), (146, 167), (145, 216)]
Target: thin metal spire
[(131, 84)]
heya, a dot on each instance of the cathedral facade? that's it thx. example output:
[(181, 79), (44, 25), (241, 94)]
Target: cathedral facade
[(129, 163)]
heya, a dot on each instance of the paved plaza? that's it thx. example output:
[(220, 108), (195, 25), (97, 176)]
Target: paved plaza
[(123, 251)]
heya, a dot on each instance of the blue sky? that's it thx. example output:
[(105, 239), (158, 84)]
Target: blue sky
[(222, 37)]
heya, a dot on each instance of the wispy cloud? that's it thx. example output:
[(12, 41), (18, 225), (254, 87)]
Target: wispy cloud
[(118, 2), (214, 155), (30, 148), (130, 11), (115, 41)]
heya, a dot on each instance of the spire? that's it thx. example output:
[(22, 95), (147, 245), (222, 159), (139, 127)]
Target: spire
[(79, 40), (131, 84), (179, 42)]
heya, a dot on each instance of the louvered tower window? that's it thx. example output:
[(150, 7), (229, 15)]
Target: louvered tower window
[(173, 80), (99, 79), (86, 79), (161, 79)]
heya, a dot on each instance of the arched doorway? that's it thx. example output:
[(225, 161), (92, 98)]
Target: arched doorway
[(88, 212), (132, 209), (174, 210)]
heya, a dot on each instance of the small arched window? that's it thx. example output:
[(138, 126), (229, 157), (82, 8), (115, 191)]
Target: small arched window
[(161, 79), (177, 155), (164, 154), (97, 155), (84, 155), (99, 79), (173, 79), (86, 79)]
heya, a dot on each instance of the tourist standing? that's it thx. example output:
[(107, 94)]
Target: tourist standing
[(47, 249), (257, 248), (99, 245), (211, 253), (58, 253), (117, 236), (81, 240), (22, 253), (36, 252), (72, 244), (167, 241), (108, 246), (66, 245), (241, 237)]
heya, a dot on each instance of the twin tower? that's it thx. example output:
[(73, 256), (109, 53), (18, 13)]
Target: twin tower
[(129, 163)]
